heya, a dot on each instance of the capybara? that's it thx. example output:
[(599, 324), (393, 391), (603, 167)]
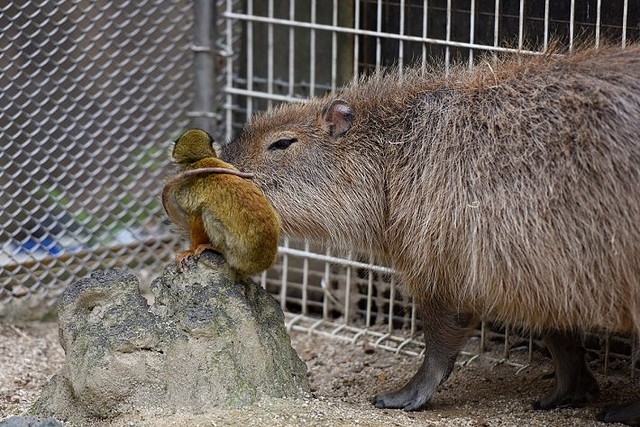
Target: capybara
[(509, 192)]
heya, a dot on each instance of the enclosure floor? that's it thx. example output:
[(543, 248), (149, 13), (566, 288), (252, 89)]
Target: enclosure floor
[(343, 379)]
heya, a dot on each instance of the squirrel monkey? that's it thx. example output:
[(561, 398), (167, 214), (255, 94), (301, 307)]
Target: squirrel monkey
[(220, 207)]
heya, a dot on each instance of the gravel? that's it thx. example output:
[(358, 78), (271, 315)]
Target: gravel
[(343, 377)]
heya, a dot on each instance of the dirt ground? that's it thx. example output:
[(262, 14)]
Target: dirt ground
[(343, 378)]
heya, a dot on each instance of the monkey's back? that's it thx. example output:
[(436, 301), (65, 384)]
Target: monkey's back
[(236, 217)]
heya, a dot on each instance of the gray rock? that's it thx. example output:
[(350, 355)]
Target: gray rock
[(19, 421), (206, 342)]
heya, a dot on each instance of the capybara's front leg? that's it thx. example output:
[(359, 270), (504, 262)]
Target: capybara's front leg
[(575, 384), (444, 334)]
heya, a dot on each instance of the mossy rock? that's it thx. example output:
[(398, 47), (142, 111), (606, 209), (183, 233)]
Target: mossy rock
[(206, 342)]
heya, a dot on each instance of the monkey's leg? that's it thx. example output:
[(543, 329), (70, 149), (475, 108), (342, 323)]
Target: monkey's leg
[(628, 414), (444, 335), (575, 384), (199, 242)]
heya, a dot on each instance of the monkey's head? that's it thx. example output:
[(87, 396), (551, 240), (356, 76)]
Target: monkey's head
[(192, 146)]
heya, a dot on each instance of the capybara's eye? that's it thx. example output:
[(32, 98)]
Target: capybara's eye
[(282, 144)]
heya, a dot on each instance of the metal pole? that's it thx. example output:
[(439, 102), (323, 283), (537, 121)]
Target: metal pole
[(202, 113)]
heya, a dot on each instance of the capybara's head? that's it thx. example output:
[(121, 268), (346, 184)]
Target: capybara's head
[(313, 168)]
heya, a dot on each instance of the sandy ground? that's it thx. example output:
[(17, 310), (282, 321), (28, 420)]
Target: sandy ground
[(343, 379)]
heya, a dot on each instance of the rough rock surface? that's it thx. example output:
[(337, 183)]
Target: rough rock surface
[(20, 421), (205, 342)]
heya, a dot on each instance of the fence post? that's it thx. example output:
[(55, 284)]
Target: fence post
[(202, 115)]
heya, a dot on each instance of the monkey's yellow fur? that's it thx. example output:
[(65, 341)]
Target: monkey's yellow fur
[(219, 207)]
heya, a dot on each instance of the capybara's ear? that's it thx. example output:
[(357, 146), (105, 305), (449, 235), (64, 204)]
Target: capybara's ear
[(338, 117)]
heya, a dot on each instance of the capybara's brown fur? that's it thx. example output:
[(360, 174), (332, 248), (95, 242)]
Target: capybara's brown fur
[(511, 191)]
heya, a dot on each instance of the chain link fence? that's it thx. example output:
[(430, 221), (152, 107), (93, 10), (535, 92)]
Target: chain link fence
[(92, 93)]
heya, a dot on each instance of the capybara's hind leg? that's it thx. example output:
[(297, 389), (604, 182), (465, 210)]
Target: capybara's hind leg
[(444, 336), (575, 384), (628, 414)]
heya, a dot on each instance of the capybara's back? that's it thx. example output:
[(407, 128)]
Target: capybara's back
[(522, 192), (511, 191)]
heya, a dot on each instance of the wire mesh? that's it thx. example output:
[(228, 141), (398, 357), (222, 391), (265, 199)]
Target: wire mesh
[(91, 94)]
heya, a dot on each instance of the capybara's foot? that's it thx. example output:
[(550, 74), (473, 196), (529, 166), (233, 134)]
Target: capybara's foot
[(628, 414), (417, 392), (573, 394), (567, 400), (407, 398), (444, 337), (575, 385)]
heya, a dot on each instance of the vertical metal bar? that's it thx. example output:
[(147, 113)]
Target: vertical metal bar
[(378, 39), (401, 42), (521, 26), (312, 51), (305, 279), (496, 28), (572, 18), (292, 39), (483, 336), (369, 294), (530, 348), (229, 70), (546, 24), (285, 271), (263, 279), (625, 12), (447, 51), (203, 64), (414, 318), (327, 284), (249, 58), (392, 298), (598, 18), (472, 24), (356, 39), (334, 48), (347, 295), (507, 346), (425, 9), (270, 53)]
